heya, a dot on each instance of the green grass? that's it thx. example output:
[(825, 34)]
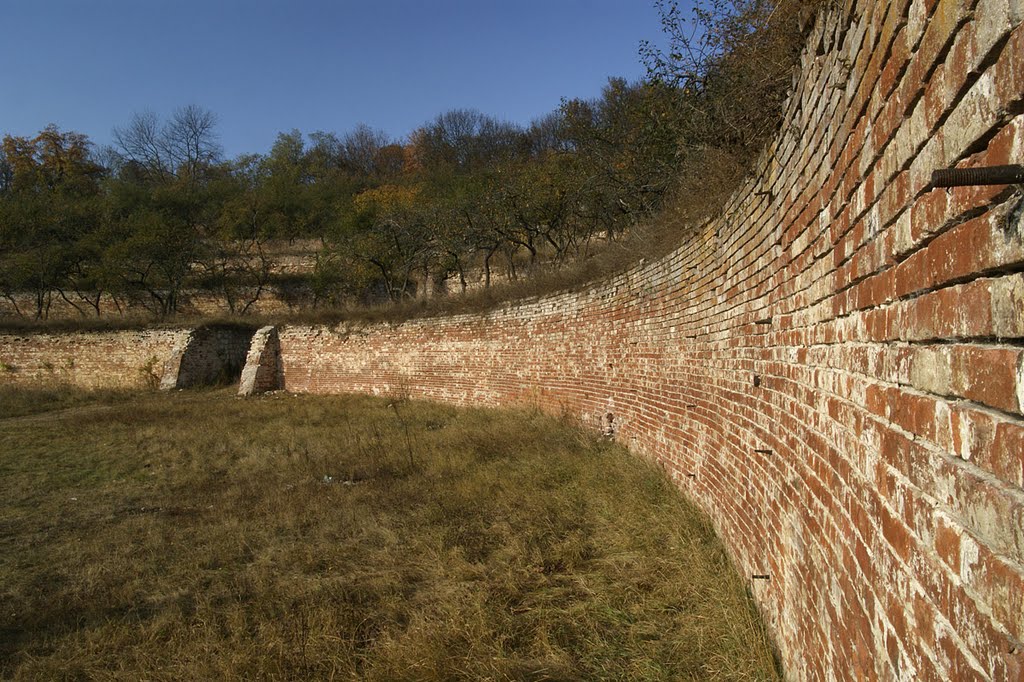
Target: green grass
[(197, 536)]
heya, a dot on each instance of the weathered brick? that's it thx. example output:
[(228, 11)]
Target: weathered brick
[(128, 359)]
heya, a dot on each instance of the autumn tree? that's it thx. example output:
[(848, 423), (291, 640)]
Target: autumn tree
[(731, 63), (391, 234), (48, 205)]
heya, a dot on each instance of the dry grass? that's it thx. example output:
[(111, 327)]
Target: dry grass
[(18, 401), (194, 536)]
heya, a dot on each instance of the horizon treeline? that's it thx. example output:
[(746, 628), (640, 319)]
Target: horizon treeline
[(161, 210)]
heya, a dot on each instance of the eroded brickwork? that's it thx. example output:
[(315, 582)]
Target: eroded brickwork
[(832, 369), (262, 371)]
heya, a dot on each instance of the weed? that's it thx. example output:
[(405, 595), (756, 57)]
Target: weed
[(399, 398), (149, 374)]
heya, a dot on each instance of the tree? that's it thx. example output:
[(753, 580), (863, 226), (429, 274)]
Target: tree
[(392, 235), (543, 199), (48, 207), (361, 150), (6, 172), (731, 62), (163, 204), (236, 260), (182, 147), (191, 140), (465, 139), (626, 144), (155, 239)]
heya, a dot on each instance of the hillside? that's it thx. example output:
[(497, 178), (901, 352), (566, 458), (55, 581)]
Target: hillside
[(159, 226)]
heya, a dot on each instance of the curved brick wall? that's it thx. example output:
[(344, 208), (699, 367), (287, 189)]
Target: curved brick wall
[(832, 369)]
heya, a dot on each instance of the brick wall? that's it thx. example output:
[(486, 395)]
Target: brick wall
[(171, 358), (121, 359), (832, 368)]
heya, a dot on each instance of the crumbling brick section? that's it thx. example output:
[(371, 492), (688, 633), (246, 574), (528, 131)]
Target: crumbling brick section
[(832, 368), (262, 371)]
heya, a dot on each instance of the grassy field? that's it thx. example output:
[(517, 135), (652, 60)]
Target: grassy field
[(197, 536), (17, 401)]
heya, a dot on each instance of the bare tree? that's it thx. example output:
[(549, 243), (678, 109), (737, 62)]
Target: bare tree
[(180, 147), (141, 143), (191, 139), (466, 138), (361, 148)]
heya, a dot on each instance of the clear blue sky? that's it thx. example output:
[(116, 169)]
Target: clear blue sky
[(265, 67)]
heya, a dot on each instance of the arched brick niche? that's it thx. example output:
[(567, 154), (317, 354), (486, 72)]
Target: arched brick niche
[(832, 368)]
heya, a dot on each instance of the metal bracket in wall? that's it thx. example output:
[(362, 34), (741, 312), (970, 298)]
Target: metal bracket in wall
[(991, 175)]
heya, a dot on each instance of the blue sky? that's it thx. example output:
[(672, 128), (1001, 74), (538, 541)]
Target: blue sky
[(265, 67)]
